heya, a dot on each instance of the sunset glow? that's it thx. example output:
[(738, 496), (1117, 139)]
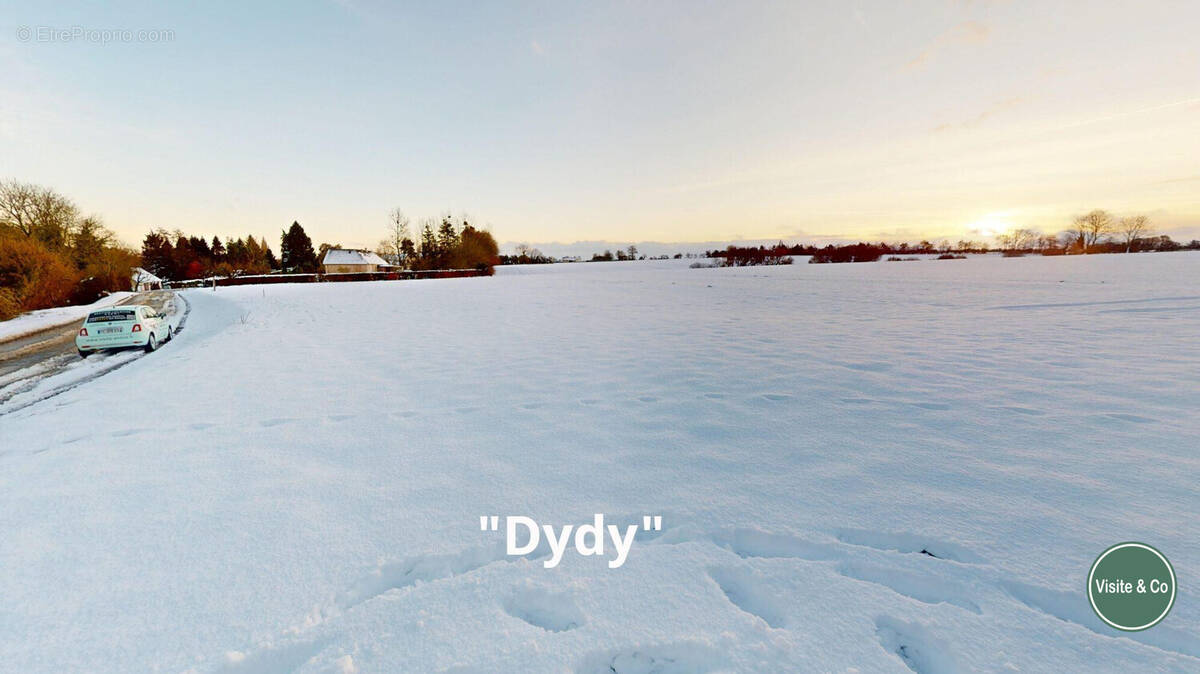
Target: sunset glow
[(661, 122)]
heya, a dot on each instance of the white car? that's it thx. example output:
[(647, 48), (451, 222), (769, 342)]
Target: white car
[(136, 325)]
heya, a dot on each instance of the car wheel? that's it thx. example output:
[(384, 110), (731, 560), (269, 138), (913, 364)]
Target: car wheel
[(82, 353), (151, 343), (170, 333)]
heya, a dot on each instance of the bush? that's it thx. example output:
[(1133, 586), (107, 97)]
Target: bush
[(859, 252), (35, 276), (9, 306), (1013, 253), (476, 250), (951, 256), (738, 256)]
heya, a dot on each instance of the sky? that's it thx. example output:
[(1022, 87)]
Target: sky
[(607, 122)]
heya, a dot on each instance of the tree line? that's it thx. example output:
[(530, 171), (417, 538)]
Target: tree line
[(445, 243), (448, 244), (52, 255), (1095, 232), (177, 256)]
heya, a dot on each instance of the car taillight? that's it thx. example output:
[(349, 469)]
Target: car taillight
[(137, 327), (83, 332)]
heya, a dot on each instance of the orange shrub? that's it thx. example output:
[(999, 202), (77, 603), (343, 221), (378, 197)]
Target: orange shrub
[(34, 276)]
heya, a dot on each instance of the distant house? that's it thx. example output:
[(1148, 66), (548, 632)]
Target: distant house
[(349, 260), (142, 280)]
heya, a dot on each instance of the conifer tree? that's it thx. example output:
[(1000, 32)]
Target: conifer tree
[(297, 251)]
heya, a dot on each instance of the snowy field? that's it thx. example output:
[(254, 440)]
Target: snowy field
[(296, 482)]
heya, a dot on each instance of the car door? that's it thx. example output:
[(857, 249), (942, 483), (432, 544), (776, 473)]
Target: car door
[(152, 322)]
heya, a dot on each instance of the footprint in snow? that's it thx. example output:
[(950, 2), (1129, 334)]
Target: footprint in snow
[(1072, 607), (1131, 418), (919, 650), (748, 592), (746, 542), (1029, 411), (867, 366), (925, 588), (930, 406), (908, 543), (676, 658), (128, 432), (550, 611)]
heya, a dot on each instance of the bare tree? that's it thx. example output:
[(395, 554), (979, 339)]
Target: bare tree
[(37, 212), (139, 276), (1092, 227), (398, 231), (1018, 239), (1133, 228), (16, 206)]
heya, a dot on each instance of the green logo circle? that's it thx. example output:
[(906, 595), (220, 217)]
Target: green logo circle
[(1131, 586)]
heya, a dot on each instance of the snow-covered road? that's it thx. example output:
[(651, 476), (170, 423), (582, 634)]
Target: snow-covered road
[(887, 467), (45, 364)]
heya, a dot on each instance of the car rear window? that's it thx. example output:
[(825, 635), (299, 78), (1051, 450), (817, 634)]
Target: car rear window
[(110, 316)]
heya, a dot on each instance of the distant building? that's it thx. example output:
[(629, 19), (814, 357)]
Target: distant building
[(142, 280), (349, 261)]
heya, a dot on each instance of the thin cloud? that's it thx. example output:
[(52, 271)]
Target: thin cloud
[(1172, 181), (965, 33), (537, 48), (982, 117), (1130, 113)]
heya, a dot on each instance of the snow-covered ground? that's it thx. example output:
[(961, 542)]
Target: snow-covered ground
[(296, 483), (43, 319)]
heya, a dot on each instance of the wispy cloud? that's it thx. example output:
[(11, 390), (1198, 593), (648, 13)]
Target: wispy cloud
[(965, 33), (1130, 113), (536, 48), (972, 122), (1172, 181)]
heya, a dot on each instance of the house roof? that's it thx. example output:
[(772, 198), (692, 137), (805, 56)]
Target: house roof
[(351, 256), (142, 276)]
